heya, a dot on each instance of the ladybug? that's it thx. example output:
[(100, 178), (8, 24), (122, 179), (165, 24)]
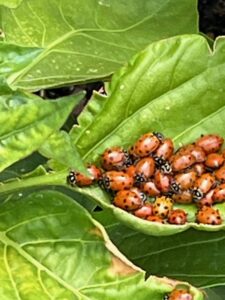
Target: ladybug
[(178, 217), (210, 143), (115, 158), (183, 197), (181, 162), (199, 168), (202, 185), (127, 200), (145, 211), (150, 189), (219, 193), (162, 164), (76, 178), (144, 169), (195, 151), (165, 150), (155, 219), (146, 144), (214, 160), (180, 294), (207, 200), (220, 174), (162, 206), (208, 215), (116, 181), (184, 181), (162, 181)]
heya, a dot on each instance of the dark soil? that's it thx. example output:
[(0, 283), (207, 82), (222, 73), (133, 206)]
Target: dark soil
[(212, 17)]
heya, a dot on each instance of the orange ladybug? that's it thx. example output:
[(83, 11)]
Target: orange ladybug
[(116, 181), (78, 179), (115, 158), (210, 143), (146, 144), (127, 200), (208, 215)]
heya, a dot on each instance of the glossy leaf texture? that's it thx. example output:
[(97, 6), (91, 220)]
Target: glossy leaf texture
[(51, 248), (193, 256), (175, 86), (86, 40), (27, 121)]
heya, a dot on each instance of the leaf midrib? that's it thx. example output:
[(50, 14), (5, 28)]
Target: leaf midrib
[(8, 242)]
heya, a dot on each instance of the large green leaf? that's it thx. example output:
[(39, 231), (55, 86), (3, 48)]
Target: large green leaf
[(171, 86), (175, 86), (86, 40), (27, 121), (51, 248), (193, 256)]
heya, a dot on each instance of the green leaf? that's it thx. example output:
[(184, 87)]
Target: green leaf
[(216, 293), (83, 41), (10, 3), (64, 254), (193, 256), (61, 149), (22, 167), (27, 121), (14, 58), (155, 91), (175, 86)]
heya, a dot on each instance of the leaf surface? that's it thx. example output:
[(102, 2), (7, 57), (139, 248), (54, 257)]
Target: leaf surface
[(27, 121), (193, 256), (175, 86), (86, 40), (62, 152), (64, 254)]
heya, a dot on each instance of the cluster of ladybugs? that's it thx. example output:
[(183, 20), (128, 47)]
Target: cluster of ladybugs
[(195, 173)]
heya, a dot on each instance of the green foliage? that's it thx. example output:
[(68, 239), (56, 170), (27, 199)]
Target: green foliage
[(84, 40), (193, 256), (64, 254), (159, 91), (27, 121), (175, 86)]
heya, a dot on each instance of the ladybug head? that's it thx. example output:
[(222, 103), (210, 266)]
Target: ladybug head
[(197, 194), (159, 160), (159, 136), (104, 183), (166, 168), (71, 178), (175, 187)]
